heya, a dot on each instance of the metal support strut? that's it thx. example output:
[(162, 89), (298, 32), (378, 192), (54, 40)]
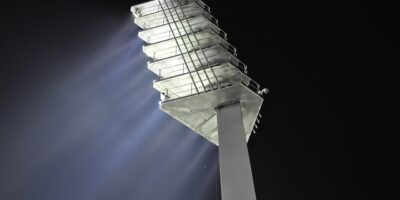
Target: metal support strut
[(198, 43), (179, 47), (175, 22)]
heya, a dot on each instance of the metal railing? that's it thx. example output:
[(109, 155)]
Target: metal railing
[(157, 8), (178, 69), (166, 35), (187, 90), (160, 21), (173, 50)]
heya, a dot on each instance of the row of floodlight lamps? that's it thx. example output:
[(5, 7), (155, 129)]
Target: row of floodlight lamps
[(159, 8)]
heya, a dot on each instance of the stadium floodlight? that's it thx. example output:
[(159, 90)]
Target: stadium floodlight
[(203, 84)]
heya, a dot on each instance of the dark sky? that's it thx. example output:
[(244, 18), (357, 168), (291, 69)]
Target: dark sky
[(79, 118)]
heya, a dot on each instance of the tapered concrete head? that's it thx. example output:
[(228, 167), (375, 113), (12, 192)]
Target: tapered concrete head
[(198, 111)]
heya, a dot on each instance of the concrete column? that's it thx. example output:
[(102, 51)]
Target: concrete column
[(236, 177)]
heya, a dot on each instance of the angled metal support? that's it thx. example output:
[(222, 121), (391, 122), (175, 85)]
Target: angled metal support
[(177, 43), (198, 43)]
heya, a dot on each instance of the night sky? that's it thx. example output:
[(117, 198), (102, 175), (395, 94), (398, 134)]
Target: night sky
[(79, 119)]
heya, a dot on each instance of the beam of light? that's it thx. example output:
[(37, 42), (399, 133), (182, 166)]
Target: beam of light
[(98, 134)]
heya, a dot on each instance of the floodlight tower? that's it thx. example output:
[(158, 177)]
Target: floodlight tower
[(203, 84)]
